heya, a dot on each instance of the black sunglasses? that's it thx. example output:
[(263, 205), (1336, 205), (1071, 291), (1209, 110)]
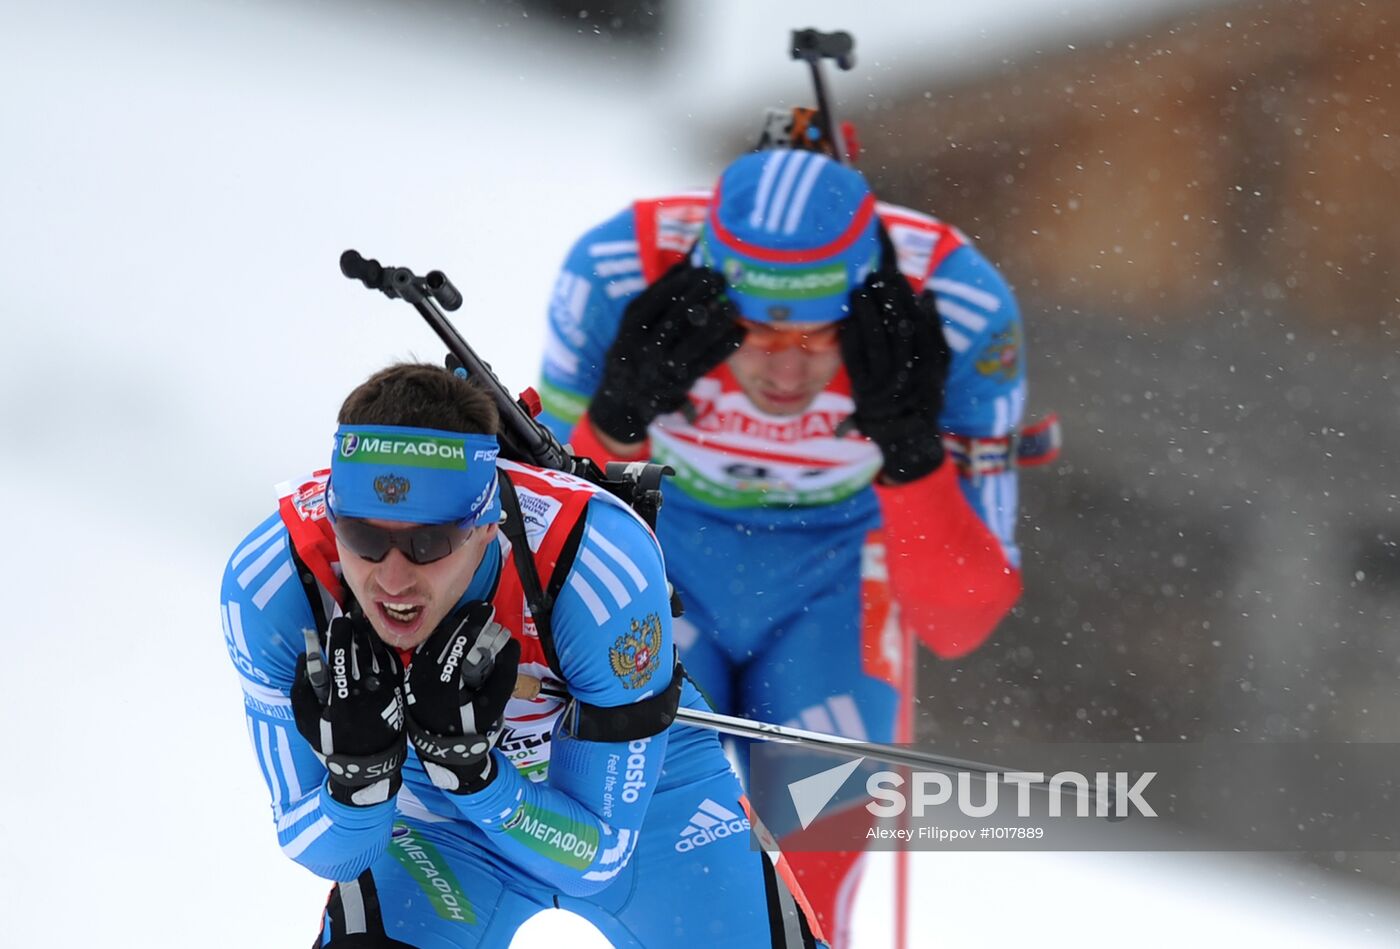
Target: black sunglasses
[(421, 545)]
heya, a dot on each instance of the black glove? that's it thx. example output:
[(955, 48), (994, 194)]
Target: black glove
[(460, 680), (349, 707), (673, 333), (893, 347)]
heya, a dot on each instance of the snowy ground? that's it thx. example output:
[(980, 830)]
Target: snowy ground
[(176, 183)]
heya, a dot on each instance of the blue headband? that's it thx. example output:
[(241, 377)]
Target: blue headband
[(421, 475)]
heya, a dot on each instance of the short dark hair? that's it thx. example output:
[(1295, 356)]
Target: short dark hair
[(421, 395)]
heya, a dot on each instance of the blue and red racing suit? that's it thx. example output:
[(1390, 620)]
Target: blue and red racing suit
[(803, 583), (563, 824)]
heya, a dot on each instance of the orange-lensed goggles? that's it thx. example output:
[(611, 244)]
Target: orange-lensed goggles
[(811, 337)]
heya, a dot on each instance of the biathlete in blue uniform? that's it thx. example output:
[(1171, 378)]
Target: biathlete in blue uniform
[(391, 670), (837, 383)]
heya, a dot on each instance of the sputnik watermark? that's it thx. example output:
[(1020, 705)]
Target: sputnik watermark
[(1182, 796), (1100, 794)]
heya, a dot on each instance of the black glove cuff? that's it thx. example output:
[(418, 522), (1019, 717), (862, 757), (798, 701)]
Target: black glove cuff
[(467, 757), (478, 780), (350, 773), (621, 422), (909, 460), (450, 751)]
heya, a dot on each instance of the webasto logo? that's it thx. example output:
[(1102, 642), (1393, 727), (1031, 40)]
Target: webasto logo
[(421, 451), (634, 779)]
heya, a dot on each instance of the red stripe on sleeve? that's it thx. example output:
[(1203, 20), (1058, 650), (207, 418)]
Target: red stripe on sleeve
[(584, 441)]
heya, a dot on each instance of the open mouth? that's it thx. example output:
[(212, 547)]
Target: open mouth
[(401, 617)]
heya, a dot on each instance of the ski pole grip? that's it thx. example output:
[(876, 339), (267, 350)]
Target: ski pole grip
[(368, 272), (481, 657)]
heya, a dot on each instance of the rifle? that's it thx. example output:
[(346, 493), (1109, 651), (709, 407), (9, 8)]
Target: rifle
[(814, 129), (522, 437)]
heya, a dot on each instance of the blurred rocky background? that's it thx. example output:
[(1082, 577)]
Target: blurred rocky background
[(1199, 219)]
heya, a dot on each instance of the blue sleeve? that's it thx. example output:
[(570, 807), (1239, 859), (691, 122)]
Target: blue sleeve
[(986, 390), (601, 275), (264, 610), (612, 632)]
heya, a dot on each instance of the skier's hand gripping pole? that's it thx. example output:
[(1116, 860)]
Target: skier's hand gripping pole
[(458, 685), (348, 705)]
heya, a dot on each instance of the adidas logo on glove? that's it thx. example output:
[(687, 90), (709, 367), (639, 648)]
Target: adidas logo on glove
[(710, 823)]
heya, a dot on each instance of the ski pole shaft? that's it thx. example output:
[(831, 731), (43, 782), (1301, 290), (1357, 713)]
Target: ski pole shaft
[(839, 744), (892, 754), (767, 731)]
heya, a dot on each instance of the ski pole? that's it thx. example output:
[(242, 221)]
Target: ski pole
[(839, 744)]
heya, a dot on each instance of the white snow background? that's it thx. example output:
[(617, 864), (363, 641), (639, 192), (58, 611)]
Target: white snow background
[(177, 180)]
